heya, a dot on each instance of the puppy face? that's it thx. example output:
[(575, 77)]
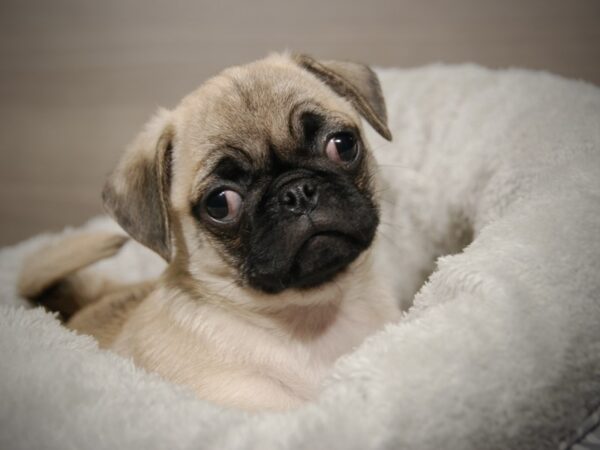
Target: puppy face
[(261, 176)]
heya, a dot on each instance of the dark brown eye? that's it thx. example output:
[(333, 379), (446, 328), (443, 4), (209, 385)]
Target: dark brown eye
[(342, 147), (223, 205)]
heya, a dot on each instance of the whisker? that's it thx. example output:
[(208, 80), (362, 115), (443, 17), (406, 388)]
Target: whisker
[(392, 241), (380, 191), (339, 288), (389, 224), (396, 166), (386, 201), (222, 291)]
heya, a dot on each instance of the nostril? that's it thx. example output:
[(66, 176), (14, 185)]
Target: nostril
[(289, 199), (299, 196), (309, 190)]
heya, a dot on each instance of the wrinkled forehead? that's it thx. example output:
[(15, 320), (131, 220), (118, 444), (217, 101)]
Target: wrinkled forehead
[(256, 108)]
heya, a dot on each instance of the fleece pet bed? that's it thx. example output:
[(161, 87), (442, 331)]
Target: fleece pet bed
[(492, 194)]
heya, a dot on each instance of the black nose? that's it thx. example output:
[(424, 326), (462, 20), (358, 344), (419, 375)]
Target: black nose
[(299, 196)]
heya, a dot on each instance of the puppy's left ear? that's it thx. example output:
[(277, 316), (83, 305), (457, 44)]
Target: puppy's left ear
[(355, 82), (136, 194)]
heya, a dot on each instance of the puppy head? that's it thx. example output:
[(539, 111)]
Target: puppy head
[(261, 176)]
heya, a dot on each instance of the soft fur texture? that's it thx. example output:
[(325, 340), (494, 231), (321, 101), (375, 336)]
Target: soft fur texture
[(500, 350)]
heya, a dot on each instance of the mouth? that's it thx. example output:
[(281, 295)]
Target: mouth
[(321, 257)]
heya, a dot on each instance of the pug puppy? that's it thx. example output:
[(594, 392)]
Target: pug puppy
[(259, 191)]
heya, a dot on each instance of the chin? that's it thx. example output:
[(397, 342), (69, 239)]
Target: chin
[(322, 257), (350, 280)]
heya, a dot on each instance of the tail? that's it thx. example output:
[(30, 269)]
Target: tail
[(52, 276)]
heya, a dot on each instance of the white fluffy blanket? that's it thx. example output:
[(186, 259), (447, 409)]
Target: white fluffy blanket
[(500, 350)]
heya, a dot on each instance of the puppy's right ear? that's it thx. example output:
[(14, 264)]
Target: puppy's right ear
[(357, 83), (136, 194)]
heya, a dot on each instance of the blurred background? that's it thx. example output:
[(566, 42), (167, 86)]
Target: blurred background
[(78, 78)]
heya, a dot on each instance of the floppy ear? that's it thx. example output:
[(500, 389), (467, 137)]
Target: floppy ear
[(136, 194), (355, 82)]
